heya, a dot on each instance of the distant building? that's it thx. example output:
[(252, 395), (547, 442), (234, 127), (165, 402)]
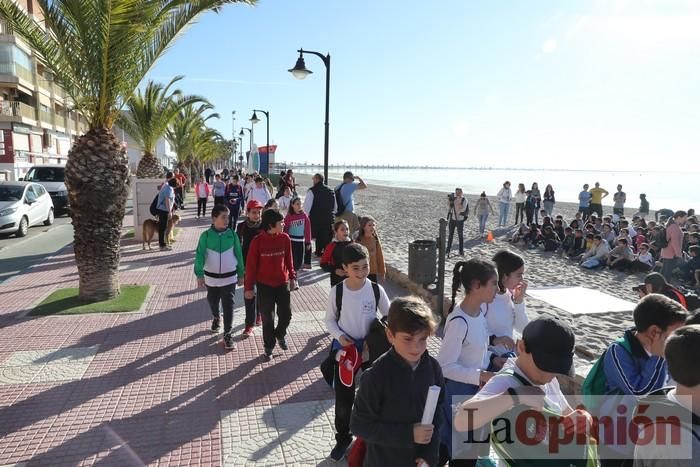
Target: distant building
[(37, 123), (164, 151)]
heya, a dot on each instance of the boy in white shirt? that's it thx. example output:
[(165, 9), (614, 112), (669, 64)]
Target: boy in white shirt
[(350, 327)]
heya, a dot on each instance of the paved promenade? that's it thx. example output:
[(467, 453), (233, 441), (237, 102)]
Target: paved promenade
[(156, 387)]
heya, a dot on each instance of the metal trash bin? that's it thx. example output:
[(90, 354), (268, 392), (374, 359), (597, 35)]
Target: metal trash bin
[(422, 261)]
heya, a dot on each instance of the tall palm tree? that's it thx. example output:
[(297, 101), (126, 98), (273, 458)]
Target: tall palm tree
[(99, 52), (184, 129), (148, 115)]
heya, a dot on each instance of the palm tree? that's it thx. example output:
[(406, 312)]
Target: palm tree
[(99, 52), (184, 131), (148, 115)]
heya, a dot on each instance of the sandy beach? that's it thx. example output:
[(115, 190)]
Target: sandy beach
[(405, 215)]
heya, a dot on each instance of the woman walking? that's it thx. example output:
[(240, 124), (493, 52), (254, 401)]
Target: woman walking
[(520, 198), (548, 200), (504, 197), (483, 208)]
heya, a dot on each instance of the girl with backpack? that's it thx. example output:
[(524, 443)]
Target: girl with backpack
[(464, 355), (332, 259)]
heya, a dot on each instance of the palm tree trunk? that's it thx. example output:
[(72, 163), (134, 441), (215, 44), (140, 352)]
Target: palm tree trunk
[(97, 177), (149, 167)]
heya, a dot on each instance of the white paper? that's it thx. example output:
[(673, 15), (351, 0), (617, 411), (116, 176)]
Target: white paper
[(430, 405)]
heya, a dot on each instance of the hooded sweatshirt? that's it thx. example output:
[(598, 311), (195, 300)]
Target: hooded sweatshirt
[(218, 258)]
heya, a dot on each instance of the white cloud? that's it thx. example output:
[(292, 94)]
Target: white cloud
[(549, 46)]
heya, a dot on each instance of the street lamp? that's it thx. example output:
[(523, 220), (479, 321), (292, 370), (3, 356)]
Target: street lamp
[(233, 136), (300, 72), (250, 139), (239, 141), (254, 119)]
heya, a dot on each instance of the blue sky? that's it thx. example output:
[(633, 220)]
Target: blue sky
[(586, 84)]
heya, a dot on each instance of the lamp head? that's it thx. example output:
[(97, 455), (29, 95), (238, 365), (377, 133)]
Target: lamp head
[(254, 119), (300, 71), (241, 134)]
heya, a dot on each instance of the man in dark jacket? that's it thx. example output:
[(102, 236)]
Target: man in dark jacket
[(319, 204)]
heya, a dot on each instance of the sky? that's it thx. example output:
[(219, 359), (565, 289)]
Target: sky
[(600, 84)]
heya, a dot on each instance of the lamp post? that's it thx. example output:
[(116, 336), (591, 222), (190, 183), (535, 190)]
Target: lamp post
[(233, 138), (250, 140), (300, 72), (239, 141), (253, 120)]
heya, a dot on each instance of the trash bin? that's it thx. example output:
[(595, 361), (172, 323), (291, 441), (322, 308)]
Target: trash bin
[(422, 261)]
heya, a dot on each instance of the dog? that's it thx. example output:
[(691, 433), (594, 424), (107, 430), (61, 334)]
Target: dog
[(150, 230)]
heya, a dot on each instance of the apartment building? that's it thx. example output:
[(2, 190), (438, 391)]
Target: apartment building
[(37, 122), (164, 151)]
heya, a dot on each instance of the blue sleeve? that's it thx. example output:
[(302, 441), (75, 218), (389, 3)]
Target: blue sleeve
[(627, 375)]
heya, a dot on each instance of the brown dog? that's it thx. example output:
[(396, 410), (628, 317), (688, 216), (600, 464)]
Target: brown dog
[(150, 230)]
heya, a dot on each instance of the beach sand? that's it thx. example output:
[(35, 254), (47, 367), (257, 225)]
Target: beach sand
[(405, 215)]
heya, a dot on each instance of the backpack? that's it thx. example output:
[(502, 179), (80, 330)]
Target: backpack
[(660, 240), (153, 208), (339, 200), (376, 337), (577, 456), (595, 382), (660, 409)]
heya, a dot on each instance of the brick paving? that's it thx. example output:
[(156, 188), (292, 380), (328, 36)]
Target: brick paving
[(156, 387)]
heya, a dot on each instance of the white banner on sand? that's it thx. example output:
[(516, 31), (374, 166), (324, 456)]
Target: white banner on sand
[(580, 300)]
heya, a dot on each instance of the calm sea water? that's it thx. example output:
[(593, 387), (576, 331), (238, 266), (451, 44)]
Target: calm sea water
[(664, 190)]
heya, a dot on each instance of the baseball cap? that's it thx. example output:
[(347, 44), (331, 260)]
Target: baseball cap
[(253, 204), (639, 287), (550, 341)]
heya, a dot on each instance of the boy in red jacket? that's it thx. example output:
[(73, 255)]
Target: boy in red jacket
[(269, 267)]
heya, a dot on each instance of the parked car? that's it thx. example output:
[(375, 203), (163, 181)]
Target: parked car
[(52, 177), (22, 205)]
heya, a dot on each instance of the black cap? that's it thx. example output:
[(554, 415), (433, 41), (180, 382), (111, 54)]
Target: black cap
[(656, 280), (550, 341)]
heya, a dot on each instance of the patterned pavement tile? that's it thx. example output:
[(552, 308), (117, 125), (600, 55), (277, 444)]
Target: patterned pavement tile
[(249, 437)]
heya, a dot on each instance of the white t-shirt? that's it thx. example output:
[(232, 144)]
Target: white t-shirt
[(646, 258), (503, 316), (283, 202), (357, 312), (464, 349), (261, 194)]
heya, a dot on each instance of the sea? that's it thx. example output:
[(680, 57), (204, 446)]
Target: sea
[(679, 190)]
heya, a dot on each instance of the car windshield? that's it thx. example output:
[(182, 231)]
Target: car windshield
[(46, 174), (11, 193)]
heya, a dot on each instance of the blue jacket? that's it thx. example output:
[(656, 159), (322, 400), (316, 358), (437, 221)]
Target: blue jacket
[(634, 373)]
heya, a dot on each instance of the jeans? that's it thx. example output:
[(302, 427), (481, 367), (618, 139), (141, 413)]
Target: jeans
[(519, 213), (250, 311), (482, 222), (179, 198), (548, 207), (224, 296), (300, 255), (503, 213), (268, 297), (201, 207), (667, 267), (459, 225), (162, 227), (596, 208), (233, 219), (591, 263)]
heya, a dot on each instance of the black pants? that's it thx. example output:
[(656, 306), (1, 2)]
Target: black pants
[(268, 297), (597, 208), (619, 211), (224, 296), (300, 255), (162, 227), (250, 311), (208, 177), (218, 200), (519, 213), (201, 207), (323, 233), (344, 399), (459, 225), (232, 219), (529, 214), (179, 198)]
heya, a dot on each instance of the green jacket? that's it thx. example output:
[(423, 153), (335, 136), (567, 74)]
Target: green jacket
[(219, 258)]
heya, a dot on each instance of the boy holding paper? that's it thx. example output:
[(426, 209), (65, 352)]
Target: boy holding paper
[(390, 402)]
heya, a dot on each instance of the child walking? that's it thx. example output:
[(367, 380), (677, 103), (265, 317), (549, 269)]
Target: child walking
[(269, 269), (349, 328), (234, 201), (369, 238), (247, 231), (482, 209), (332, 258), (393, 392), (298, 226), (203, 190), (219, 266), (464, 355)]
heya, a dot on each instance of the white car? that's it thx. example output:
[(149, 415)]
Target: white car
[(22, 205), (52, 177)]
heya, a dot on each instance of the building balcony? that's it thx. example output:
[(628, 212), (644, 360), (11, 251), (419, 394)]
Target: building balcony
[(47, 117), (17, 111)]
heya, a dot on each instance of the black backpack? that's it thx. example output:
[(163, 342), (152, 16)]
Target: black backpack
[(376, 337), (660, 240), (153, 209), (339, 200)]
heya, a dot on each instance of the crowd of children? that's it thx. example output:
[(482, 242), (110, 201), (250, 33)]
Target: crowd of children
[(493, 363)]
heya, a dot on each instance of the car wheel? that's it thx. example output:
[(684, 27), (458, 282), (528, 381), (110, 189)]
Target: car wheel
[(23, 227), (49, 218)]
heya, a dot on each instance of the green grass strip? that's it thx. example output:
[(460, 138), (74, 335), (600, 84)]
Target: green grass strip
[(66, 302)]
